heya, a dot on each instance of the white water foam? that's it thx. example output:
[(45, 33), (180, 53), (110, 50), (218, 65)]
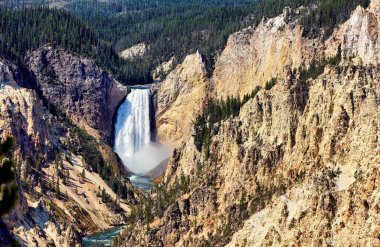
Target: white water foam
[(133, 134)]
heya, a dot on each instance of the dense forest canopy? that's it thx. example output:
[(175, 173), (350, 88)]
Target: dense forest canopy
[(175, 27), (101, 29), (29, 28), (179, 27)]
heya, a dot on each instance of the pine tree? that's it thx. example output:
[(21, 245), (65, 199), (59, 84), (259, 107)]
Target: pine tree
[(56, 162), (57, 190), (83, 174), (65, 176), (183, 182), (104, 195), (61, 162), (9, 191)]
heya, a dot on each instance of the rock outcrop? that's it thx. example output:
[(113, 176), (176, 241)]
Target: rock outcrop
[(24, 117), (273, 49), (298, 165), (59, 200), (79, 88), (134, 51), (178, 98), (359, 36), (164, 69), (254, 56), (251, 57)]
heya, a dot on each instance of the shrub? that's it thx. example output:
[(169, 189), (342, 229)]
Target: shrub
[(207, 123), (9, 191), (270, 84), (317, 68)]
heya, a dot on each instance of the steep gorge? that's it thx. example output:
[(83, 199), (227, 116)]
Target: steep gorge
[(64, 193), (299, 163), (79, 88)]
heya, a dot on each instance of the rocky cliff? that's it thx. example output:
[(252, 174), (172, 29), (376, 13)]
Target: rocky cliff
[(62, 198), (178, 98), (79, 88), (251, 57), (298, 164), (256, 55), (359, 37)]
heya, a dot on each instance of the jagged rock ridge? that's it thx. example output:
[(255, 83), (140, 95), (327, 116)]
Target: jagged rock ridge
[(298, 165), (56, 209), (88, 95)]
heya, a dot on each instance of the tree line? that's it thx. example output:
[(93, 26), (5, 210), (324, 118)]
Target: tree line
[(182, 27), (29, 28), (100, 30), (175, 27), (323, 18), (207, 123)]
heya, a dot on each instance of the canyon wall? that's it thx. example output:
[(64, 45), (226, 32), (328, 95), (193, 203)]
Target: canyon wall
[(254, 56), (299, 163), (178, 98), (251, 57), (79, 88), (59, 193)]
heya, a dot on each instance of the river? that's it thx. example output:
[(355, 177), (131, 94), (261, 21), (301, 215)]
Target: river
[(102, 238), (134, 145)]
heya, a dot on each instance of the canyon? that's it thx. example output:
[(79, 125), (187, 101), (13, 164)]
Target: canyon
[(297, 164), (59, 190)]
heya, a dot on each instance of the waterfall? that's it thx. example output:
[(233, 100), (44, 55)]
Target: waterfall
[(132, 134), (132, 130)]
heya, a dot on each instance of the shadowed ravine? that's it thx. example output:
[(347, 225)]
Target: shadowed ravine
[(133, 143)]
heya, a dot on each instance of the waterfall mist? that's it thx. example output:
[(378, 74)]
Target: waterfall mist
[(133, 134)]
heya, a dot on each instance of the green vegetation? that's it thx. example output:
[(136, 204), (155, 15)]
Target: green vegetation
[(57, 212), (182, 27), (317, 68), (28, 29), (150, 207), (326, 180), (207, 123), (33, 166), (327, 15), (9, 191), (57, 189), (264, 195), (114, 205), (82, 176), (270, 84), (63, 173), (175, 27), (81, 143)]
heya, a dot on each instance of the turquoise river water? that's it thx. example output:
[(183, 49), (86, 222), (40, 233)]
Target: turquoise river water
[(101, 239), (106, 238)]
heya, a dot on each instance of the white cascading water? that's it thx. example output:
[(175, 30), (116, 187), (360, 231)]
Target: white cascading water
[(133, 135)]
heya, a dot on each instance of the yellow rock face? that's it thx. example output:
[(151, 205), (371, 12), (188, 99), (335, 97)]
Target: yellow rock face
[(254, 56), (251, 57), (134, 51), (312, 127), (178, 98)]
